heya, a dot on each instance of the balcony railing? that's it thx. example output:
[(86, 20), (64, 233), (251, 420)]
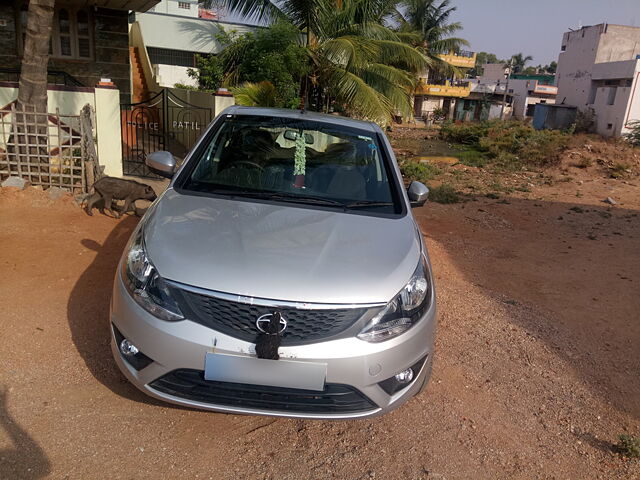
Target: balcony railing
[(461, 58), (54, 77), (448, 83), (444, 88)]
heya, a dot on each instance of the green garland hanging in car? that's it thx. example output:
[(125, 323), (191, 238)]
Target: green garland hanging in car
[(299, 160)]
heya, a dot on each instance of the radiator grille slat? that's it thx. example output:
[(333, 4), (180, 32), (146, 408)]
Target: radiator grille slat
[(239, 319)]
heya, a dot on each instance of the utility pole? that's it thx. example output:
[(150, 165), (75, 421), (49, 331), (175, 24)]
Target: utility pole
[(506, 88)]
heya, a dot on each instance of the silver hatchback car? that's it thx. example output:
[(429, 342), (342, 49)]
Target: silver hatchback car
[(280, 273)]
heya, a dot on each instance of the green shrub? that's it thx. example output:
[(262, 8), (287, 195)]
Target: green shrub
[(543, 147), (472, 158), (629, 446), (445, 193), (418, 171), (465, 133), (184, 86), (618, 170), (584, 163), (438, 114), (504, 137), (585, 121), (510, 143), (507, 162)]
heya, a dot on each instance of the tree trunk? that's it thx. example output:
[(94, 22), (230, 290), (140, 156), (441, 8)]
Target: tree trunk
[(27, 145), (32, 93)]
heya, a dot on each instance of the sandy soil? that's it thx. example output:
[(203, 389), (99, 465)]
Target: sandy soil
[(536, 369)]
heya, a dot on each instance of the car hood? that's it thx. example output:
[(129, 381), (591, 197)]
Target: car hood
[(280, 251)]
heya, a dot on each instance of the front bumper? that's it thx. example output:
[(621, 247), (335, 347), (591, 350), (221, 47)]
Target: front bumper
[(354, 367)]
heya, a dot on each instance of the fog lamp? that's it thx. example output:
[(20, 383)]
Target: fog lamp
[(128, 349), (130, 353), (403, 377)]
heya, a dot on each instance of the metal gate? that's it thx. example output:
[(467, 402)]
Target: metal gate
[(163, 122)]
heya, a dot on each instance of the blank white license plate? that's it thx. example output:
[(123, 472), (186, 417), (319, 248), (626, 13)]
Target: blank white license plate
[(257, 371)]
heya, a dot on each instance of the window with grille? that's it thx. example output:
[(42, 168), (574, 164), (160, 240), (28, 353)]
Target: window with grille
[(184, 5), (166, 56), (71, 33)]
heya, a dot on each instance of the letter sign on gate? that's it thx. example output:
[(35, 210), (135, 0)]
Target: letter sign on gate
[(163, 122)]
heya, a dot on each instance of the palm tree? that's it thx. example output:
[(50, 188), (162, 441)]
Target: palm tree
[(519, 61), (31, 120), (261, 94), (431, 20), (32, 89), (356, 62)]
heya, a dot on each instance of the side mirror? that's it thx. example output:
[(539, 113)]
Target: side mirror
[(418, 194), (162, 163)]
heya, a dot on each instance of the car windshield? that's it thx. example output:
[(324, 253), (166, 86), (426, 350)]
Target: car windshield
[(292, 160)]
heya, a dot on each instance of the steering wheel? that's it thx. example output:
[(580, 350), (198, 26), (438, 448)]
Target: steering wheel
[(247, 162)]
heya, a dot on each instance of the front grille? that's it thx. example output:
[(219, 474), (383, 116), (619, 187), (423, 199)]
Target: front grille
[(191, 385), (239, 319)]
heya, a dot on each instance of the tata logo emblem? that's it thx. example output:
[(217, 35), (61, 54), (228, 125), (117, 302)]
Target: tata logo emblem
[(262, 323)]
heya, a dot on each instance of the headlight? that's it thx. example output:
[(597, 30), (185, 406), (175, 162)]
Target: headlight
[(403, 311), (145, 285)]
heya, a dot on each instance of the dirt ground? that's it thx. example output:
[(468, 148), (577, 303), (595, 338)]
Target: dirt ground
[(536, 374)]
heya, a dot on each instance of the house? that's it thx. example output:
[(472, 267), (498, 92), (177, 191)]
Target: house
[(529, 93), (89, 42), (165, 40), (439, 92), (599, 70), (485, 102), (526, 90)]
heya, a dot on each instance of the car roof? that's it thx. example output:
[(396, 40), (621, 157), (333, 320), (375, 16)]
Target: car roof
[(301, 115)]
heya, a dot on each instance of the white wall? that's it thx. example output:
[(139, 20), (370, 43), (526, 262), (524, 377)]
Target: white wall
[(593, 55), (106, 105), (429, 104), (108, 130), (188, 34), (495, 110), (169, 75), (67, 102), (172, 7), (573, 75), (633, 111), (519, 88), (222, 102), (611, 120)]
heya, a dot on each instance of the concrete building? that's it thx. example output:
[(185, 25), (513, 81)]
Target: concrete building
[(529, 93), (526, 91), (438, 92), (166, 39), (483, 103), (599, 69)]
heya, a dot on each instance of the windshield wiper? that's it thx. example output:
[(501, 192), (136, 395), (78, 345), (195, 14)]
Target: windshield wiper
[(368, 203), (284, 196), (292, 197)]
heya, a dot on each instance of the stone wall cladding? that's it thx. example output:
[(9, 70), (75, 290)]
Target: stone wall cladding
[(111, 50), (8, 41)]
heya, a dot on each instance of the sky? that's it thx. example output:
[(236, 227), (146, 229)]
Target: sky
[(535, 27)]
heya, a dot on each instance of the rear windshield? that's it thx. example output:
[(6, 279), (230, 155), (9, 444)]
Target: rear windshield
[(297, 161)]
